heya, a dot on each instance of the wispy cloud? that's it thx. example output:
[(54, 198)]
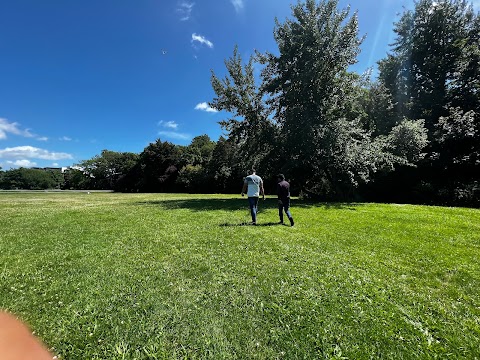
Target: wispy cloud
[(238, 5), (174, 135), (185, 8), (43, 138), (202, 40), (22, 163), (168, 124), (12, 128), (30, 152), (65, 138), (205, 107)]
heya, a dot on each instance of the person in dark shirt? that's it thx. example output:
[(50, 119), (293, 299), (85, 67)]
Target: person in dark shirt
[(283, 193)]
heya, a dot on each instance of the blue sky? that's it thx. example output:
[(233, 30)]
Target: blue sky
[(77, 77)]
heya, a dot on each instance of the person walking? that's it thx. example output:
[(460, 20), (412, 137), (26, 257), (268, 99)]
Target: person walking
[(253, 187), (283, 193)]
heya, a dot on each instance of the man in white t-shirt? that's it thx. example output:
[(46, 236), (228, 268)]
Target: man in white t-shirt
[(253, 186)]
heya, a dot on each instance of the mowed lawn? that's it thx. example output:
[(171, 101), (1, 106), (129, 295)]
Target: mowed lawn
[(172, 276)]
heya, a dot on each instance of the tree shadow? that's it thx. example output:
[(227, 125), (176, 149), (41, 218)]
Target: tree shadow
[(230, 204), (199, 204), (326, 205), (250, 224)]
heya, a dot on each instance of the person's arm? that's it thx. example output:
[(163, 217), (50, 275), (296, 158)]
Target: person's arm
[(262, 191), (244, 189), (279, 194)]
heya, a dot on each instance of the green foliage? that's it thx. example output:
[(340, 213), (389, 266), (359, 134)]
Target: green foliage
[(103, 171), (199, 152), (145, 276), (434, 64), (408, 139), (251, 128), (193, 178), (433, 73), (158, 167), (380, 109), (224, 167), (30, 179), (316, 116), (459, 134), (76, 179)]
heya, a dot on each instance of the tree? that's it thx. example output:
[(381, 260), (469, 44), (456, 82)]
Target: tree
[(158, 167), (407, 140), (317, 102), (433, 74), (251, 127), (199, 152), (193, 178), (76, 179), (29, 179), (103, 171), (430, 41), (224, 167), (380, 109)]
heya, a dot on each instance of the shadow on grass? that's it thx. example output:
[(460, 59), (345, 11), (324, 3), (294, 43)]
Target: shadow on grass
[(250, 224), (241, 204)]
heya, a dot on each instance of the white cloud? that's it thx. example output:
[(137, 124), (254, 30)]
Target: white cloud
[(22, 163), (205, 107), (174, 135), (168, 124), (43, 138), (237, 4), (55, 164), (12, 128), (185, 10), (30, 152), (65, 138), (202, 40)]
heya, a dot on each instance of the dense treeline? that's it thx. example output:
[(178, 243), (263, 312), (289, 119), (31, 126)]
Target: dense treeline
[(410, 135), (30, 179)]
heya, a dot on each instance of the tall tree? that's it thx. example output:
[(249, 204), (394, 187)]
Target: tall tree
[(314, 96), (433, 74), (251, 127)]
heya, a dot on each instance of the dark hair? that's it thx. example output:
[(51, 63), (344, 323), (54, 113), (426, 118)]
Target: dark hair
[(253, 170), (281, 176)]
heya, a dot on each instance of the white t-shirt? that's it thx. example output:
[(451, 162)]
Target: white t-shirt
[(253, 182)]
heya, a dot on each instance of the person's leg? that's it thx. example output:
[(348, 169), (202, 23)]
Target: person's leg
[(253, 203), (256, 209), (280, 211), (286, 206)]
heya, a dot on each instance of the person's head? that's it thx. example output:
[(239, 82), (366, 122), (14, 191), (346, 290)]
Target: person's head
[(253, 171), (280, 177)]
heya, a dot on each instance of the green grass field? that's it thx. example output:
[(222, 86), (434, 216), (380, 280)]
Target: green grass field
[(155, 276)]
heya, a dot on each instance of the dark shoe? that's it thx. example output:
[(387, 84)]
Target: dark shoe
[(281, 222), (291, 221)]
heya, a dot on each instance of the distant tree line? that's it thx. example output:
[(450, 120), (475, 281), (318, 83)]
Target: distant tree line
[(410, 135), (30, 179)]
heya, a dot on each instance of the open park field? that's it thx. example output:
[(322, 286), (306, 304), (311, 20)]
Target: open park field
[(157, 276)]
